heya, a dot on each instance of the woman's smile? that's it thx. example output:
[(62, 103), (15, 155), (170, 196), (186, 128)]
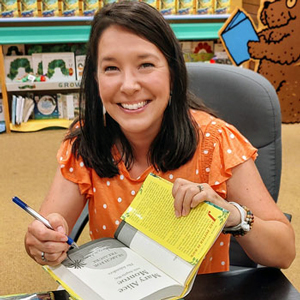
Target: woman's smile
[(134, 106)]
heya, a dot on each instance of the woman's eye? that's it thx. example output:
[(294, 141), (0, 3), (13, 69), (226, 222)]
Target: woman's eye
[(147, 65), (110, 68)]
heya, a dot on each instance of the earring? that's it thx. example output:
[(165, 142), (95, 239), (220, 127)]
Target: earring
[(104, 115), (170, 99)]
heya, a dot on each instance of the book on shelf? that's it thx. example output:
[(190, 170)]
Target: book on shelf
[(27, 109), (13, 109), (2, 117), (46, 107), (68, 105), (19, 109), (154, 255), (22, 109)]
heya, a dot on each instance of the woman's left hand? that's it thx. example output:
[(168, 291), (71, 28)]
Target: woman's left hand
[(187, 195)]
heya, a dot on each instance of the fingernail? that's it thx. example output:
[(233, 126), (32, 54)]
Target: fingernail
[(64, 239), (184, 212), (60, 229), (177, 214)]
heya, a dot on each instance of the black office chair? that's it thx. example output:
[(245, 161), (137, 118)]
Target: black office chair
[(249, 102)]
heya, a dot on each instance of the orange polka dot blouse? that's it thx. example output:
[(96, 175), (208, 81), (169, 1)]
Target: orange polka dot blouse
[(221, 148)]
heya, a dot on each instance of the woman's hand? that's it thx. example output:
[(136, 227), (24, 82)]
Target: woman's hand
[(187, 195), (48, 246)]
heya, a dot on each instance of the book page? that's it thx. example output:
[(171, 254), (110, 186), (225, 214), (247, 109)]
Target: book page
[(162, 258), (107, 269), (190, 237)]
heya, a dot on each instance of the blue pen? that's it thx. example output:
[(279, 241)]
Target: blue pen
[(39, 217)]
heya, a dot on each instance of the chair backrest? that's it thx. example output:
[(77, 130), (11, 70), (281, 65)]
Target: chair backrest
[(248, 101)]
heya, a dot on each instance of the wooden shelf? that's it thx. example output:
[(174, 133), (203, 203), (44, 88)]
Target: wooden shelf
[(44, 34), (41, 86), (188, 30), (35, 125)]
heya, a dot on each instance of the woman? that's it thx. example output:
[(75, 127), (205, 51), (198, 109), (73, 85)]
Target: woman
[(136, 118)]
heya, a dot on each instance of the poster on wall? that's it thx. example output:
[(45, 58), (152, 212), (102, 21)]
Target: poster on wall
[(274, 45)]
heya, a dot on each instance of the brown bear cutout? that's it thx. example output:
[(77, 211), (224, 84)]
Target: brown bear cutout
[(278, 52)]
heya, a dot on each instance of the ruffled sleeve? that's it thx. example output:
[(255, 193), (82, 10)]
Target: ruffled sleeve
[(228, 148), (73, 169)]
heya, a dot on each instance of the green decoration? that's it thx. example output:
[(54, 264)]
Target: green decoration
[(16, 64), (57, 63), (40, 69)]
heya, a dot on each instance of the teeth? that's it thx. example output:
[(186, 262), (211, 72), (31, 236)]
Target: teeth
[(134, 106)]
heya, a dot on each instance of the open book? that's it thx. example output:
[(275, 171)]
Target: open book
[(154, 255)]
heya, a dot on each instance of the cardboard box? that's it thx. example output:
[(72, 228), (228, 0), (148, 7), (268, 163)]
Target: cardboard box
[(28, 8), (59, 66), (222, 6), (204, 7), (9, 9), (16, 67), (90, 7), (49, 8), (167, 7), (69, 8), (185, 7), (154, 3)]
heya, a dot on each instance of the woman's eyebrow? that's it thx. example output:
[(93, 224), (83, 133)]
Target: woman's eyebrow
[(107, 58)]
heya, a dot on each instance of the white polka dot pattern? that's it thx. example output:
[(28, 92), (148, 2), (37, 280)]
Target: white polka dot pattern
[(222, 147)]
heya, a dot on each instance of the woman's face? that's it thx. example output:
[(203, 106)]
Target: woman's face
[(134, 81)]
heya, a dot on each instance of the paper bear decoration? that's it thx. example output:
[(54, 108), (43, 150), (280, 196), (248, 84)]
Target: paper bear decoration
[(275, 45)]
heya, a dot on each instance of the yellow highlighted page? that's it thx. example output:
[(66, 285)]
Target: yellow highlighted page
[(152, 212)]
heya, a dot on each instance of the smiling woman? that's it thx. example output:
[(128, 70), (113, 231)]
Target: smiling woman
[(134, 84), (137, 117)]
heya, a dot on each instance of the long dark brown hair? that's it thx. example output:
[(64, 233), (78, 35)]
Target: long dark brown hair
[(177, 140)]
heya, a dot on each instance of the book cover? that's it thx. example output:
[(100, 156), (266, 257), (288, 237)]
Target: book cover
[(59, 66), (17, 66), (154, 255), (109, 270), (27, 109), (182, 235), (13, 109), (45, 107), (237, 31)]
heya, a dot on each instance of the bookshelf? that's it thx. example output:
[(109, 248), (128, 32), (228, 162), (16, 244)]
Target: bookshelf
[(77, 30)]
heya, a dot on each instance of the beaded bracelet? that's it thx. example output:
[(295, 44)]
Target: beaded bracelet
[(247, 220)]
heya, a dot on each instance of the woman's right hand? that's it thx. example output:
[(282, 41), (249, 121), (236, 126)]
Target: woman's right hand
[(46, 246)]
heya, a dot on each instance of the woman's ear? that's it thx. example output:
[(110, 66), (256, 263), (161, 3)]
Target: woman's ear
[(96, 77)]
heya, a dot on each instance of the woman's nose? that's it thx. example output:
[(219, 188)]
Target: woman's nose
[(130, 83)]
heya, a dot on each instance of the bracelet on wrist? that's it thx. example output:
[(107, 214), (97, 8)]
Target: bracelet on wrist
[(246, 224)]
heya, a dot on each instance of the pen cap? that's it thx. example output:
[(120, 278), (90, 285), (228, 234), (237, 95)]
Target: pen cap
[(19, 202)]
